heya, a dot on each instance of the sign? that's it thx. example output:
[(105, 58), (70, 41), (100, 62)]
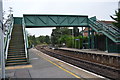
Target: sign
[(77, 39)]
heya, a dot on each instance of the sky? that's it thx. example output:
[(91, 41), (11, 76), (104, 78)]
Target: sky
[(102, 9)]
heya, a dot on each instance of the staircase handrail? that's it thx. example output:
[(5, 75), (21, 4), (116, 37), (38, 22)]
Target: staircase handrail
[(25, 40), (9, 24), (98, 26), (109, 29)]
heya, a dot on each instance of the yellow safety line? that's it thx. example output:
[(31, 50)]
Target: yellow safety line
[(19, 67), (60, 67)]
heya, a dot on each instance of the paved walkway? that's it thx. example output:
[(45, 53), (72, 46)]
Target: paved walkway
[(39, 67)]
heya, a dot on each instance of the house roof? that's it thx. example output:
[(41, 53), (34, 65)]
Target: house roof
[(106, 22)]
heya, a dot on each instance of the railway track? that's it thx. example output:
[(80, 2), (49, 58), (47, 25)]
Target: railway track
[(104, 70)]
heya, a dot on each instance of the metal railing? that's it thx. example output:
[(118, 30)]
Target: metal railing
[(94, 24), (8, 31), (25, 39), (108, 29), (111, 29)]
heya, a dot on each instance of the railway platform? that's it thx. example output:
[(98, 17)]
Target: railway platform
[(44, 66), (92, 51), (110, 59)]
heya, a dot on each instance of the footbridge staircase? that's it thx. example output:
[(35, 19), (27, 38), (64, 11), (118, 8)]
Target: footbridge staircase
[(110, 31), (15, 42)]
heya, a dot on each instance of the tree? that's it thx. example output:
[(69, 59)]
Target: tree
[(57, 33), (117, 19), (47, 39), (75, 31), (32, 40)]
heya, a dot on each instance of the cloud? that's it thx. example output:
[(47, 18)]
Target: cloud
[(100, 8), (62, 0)]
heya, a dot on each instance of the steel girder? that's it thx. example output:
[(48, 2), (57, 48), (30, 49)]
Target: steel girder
[(40, 20)]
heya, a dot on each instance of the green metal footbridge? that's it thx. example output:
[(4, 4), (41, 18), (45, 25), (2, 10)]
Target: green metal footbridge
[(16, 43)]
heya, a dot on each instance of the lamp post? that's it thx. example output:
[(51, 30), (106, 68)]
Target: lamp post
[(2, 59), (119, 5)]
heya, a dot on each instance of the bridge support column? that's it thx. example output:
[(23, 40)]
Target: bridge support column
[(82, 37), (73, 38), (92, 40), (89, 42), (106, 43)]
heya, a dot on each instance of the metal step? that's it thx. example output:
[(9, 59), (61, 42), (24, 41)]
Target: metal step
[(16, 61), (21, 47), (15, 58), (13, 46), (16, 53), (16, 46), (17, 49), (13, 64), (13, 43)]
